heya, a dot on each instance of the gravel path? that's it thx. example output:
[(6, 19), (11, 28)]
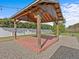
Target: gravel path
[(11, 50), (66, 53), (63, 41)]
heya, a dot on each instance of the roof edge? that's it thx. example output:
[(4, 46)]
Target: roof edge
[(23, 9)]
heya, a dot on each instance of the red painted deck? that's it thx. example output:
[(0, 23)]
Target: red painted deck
[(31, 42)]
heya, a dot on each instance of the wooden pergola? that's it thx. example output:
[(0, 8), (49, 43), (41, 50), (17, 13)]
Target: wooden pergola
[(41, 11)]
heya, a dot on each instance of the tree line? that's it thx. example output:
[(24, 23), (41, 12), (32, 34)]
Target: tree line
[(7, 22)]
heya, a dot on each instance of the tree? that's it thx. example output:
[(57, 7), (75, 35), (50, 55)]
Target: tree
[(61, 28)]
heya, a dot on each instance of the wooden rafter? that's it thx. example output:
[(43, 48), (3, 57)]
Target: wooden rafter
[(46, 16), (56, 6), (25, 13)]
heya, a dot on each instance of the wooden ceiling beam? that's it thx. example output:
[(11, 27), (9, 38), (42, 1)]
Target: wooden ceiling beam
[(33, 17), (51, 18), (59, 14), (58, 11), (46, 15), (41, 11), (25, 13)]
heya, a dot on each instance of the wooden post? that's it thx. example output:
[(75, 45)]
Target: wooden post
[(57, 30), (39, 30), (14, 29)]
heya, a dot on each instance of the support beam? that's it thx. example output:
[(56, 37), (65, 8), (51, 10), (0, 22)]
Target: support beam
[(57, 30), (15, 29), (39, 30)]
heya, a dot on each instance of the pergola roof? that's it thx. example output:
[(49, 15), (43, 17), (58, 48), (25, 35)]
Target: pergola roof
[(49, 1), (48, 10)]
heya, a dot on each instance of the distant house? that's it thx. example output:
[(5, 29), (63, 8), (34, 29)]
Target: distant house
[(73, 28)]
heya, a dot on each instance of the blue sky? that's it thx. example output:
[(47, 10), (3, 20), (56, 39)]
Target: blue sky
[(69, 1), (13, 4), (67, 7)]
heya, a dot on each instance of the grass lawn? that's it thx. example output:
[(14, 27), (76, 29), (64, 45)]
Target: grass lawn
[(71, 34), (2, 39), (6, 39)]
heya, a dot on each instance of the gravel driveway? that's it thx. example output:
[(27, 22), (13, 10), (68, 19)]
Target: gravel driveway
[(12, 50)]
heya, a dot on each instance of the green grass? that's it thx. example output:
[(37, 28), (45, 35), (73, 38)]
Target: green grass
[(6, 38), (71, 34), (10, 38)]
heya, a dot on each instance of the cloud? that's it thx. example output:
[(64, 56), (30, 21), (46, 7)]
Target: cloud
[(70, 13)]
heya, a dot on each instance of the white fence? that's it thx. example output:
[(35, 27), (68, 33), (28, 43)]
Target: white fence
[(4, 32)]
